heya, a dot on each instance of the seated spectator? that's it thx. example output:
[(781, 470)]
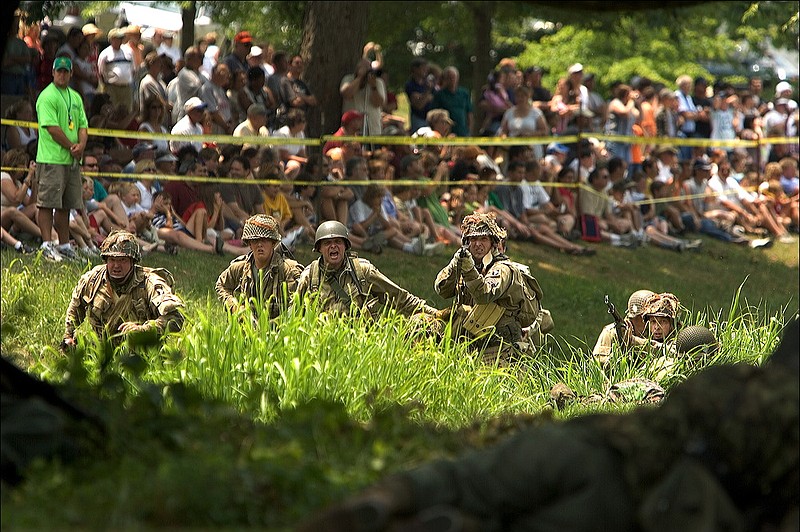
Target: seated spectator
[(275, 202), (434, 215), (174, 233), (18, 194), (152, 120), (292, 156), (241, 200), (18, 137), (369, 222), (302, 201), (254, 126), (191, 125), (19, 246), (596, 203), (352, 126), (191, 208)]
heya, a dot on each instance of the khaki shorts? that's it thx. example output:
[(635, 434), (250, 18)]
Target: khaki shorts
[(59, 186)]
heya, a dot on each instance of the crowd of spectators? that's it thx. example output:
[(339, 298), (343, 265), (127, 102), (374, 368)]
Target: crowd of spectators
[(552, 192)]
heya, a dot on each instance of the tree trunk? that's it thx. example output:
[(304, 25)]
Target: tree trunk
[(482, 13), (333, 38), (188, 14)]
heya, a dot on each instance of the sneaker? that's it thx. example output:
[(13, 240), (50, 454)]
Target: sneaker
[(433, 249), (50, 252), (211, 236), (68, 253), (418, 246), (761, 243), (25, 249), (694, 244)]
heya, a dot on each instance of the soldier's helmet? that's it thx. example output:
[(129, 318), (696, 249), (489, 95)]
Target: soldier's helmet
[(260, 226), (478, 224), (121, 244), (331, 229), (696, 339), (666, 305), (637, 302)]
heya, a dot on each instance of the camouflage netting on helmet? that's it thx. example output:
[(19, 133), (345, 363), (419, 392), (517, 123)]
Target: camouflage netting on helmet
[(121, 244), (261, 226), (665, 304), (637, 302), (478, 224)]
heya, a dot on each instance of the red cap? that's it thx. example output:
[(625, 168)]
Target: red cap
[(349, 116), (243, 37)]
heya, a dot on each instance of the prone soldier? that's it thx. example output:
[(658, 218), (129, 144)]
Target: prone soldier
[(265, 275), (691, 463), (345, 283), (121, 297), (633, 326)]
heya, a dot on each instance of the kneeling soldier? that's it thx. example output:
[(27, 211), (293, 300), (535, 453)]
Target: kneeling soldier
[(264, 276), (121, 297)]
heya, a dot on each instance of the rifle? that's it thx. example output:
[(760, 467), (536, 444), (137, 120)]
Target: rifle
[(619, 322)]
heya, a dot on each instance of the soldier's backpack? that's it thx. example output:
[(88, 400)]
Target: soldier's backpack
[(531, 306)]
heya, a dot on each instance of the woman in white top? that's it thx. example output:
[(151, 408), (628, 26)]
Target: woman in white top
[(152, 121), (524, 120), (18, 137), (292, 156), (18, 198)]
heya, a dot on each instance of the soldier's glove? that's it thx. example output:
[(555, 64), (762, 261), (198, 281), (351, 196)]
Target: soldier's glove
[(67, 344), (462, 253), (443, 314)]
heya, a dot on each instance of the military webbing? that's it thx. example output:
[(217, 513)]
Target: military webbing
[(340, 292)]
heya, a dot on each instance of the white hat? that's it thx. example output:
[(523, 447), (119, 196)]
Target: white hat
[(194, 103), (574, 69), (782, 86), (255, 51)]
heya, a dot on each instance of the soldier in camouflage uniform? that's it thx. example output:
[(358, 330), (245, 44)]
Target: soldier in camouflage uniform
[(121, 297), (345, 283), (488, 290), (722, 452), (264, 276), (634, 325)]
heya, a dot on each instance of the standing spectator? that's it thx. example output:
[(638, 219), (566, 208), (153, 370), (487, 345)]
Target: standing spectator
[(116, 70), (622, 114), (688, 112), (153, 86), (214, 94), (456, 100), (256, 92), (302, 97), (84, 79), (540, 96), (17, 62), (494, 102), (524, 120), (190, 124), (211, 54), (188, 82), (63, 135), (703, 104), (595, 104), (70, 46), (365, 92), (419, 91), (133, 42), (668, 117), (281, 88), (167, 46), (724, 121), (237, 59)]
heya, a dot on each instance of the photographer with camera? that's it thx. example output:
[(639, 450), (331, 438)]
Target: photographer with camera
[(364, 91)]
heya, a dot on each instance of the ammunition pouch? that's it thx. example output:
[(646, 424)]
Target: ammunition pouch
[(481, 319)]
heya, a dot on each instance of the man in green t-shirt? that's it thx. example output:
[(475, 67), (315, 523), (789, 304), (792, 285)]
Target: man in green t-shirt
[(62, 139)]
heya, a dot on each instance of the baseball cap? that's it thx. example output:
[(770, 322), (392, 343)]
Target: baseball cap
[(574, 69), (116, 33), (140, 147), (194, 103), (782, 86), (349, 116), (165, 156), (62, 63), (255, 51), (555, 147), (702, 163), (243, 37)]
